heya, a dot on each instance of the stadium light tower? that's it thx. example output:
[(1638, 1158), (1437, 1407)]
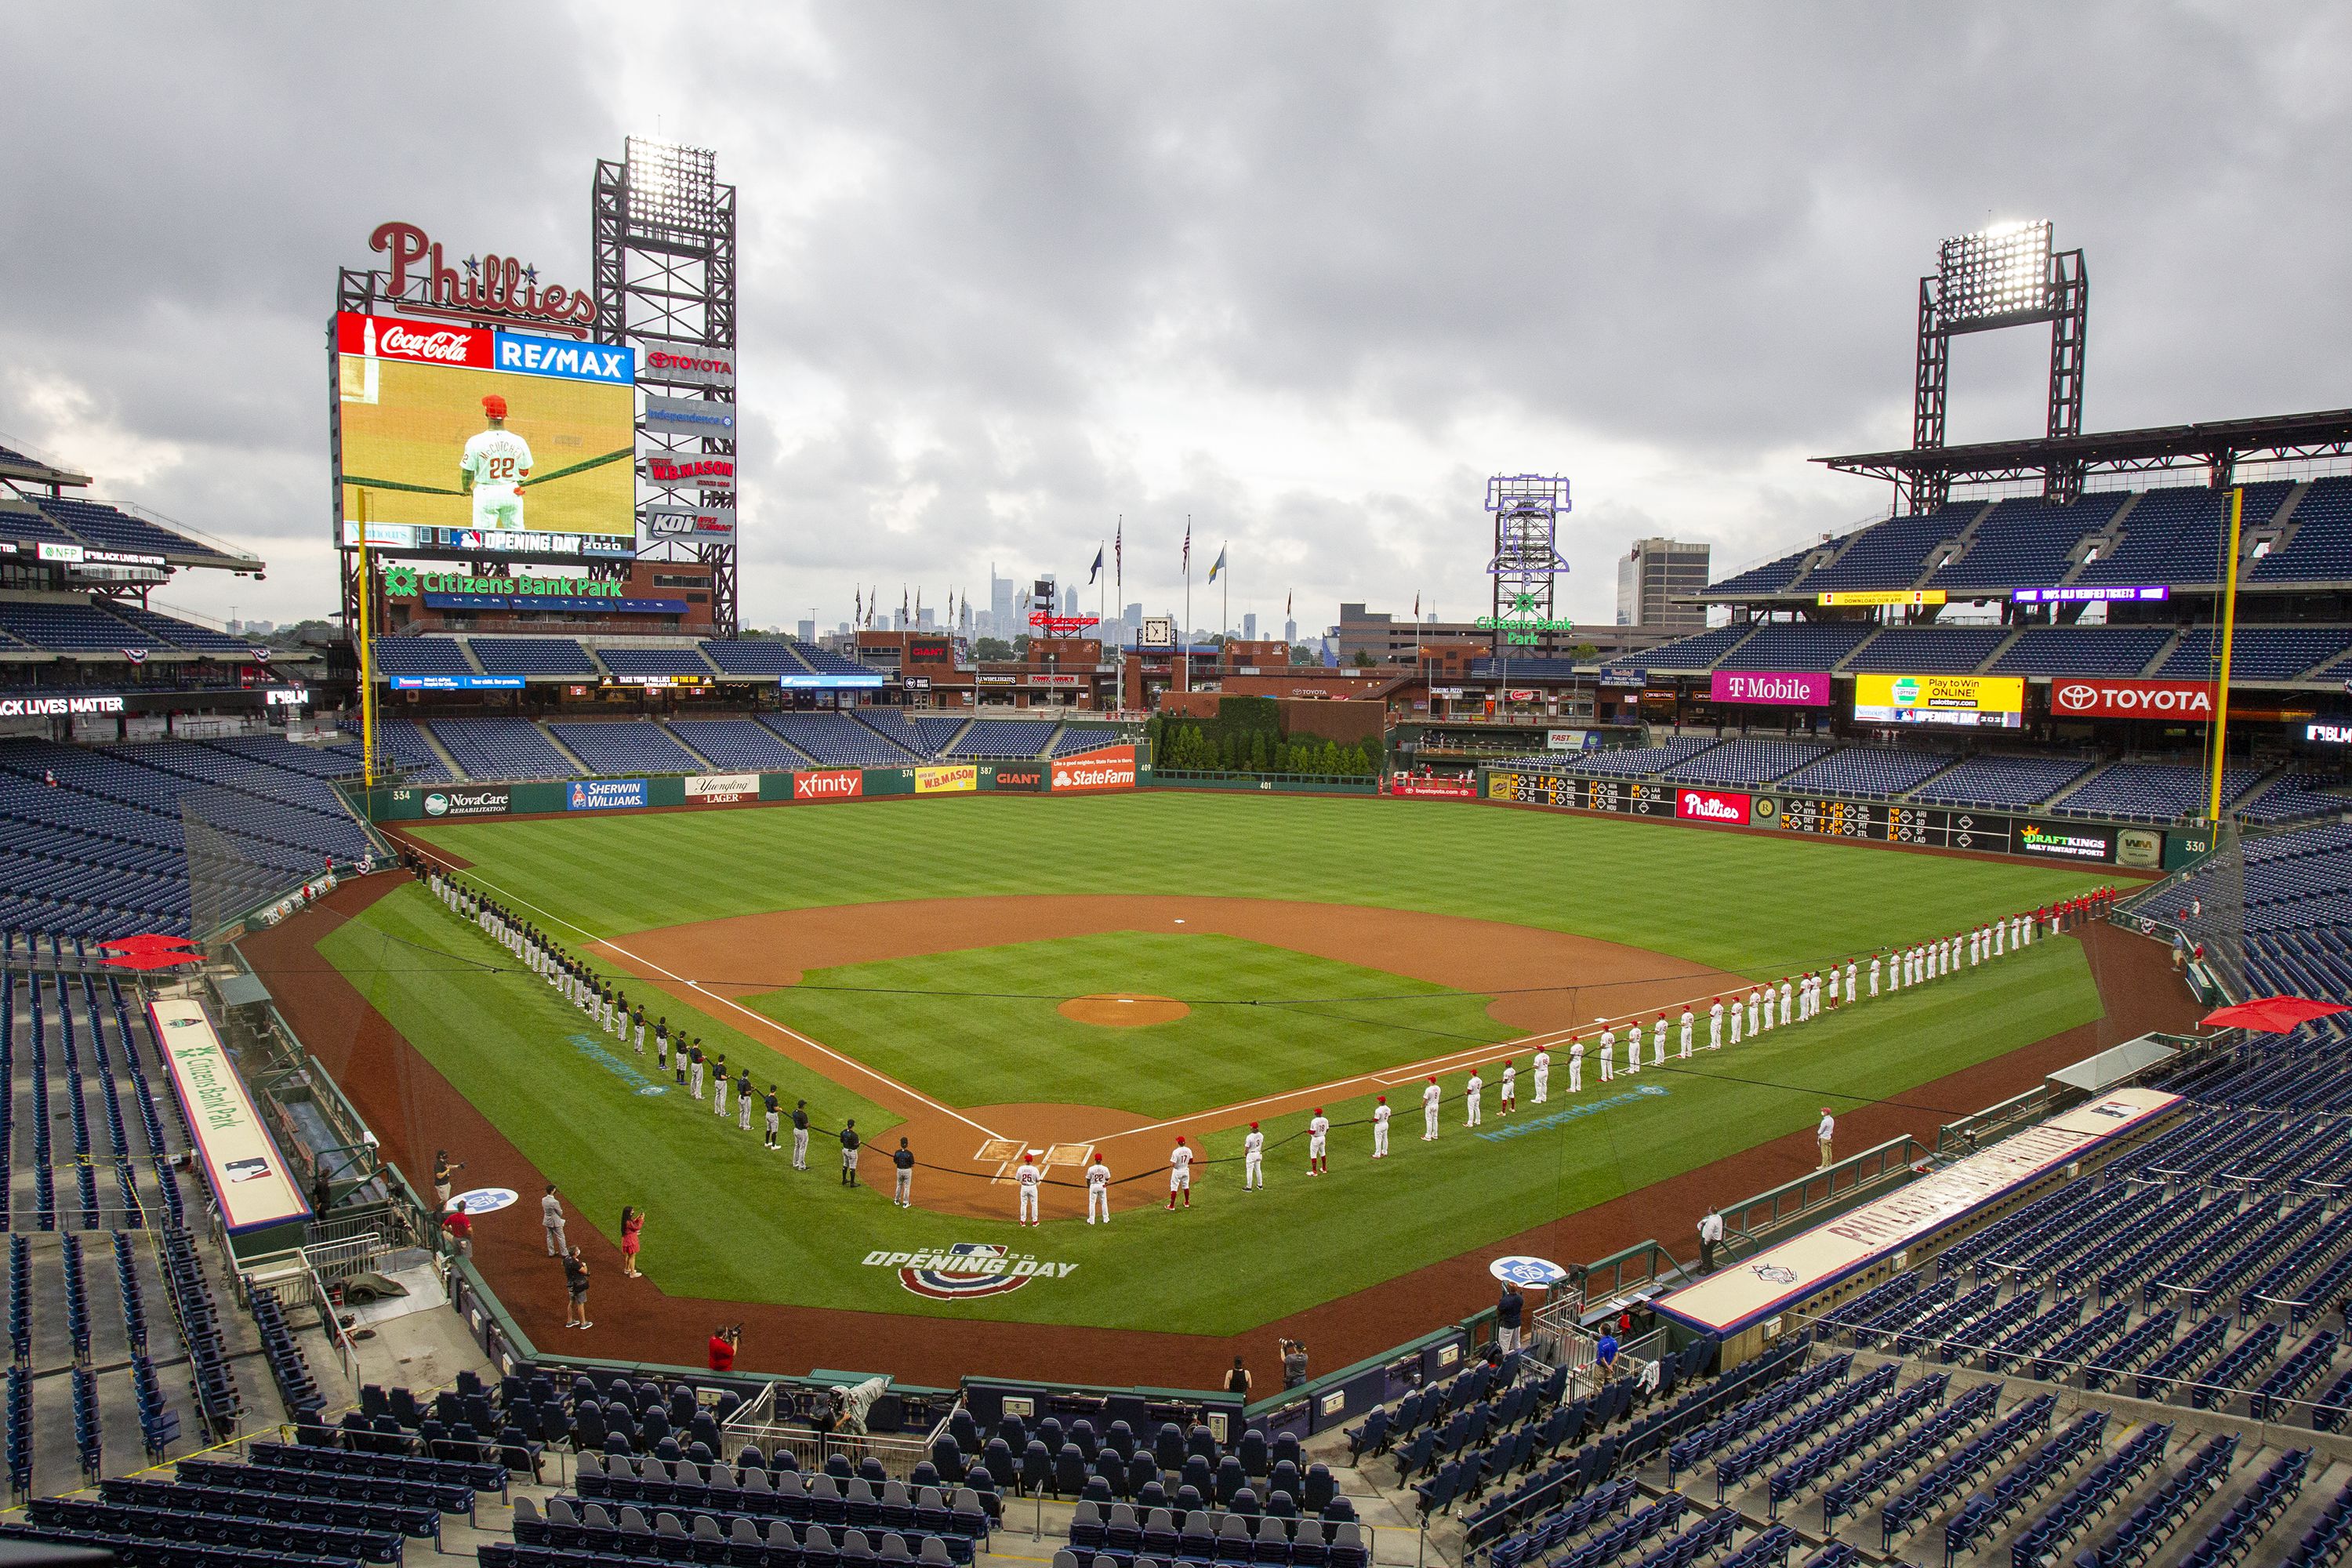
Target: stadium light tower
[(664, 233), (2006, 276), (1527, 509)]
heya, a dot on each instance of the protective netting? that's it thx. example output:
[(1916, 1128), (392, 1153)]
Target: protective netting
[(233, 867)]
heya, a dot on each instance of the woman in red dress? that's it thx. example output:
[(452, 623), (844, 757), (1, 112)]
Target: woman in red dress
[(631, 1222)]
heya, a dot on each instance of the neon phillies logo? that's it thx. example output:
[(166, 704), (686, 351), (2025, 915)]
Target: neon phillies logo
[(1708, 806), (494, 286), (848, 784), (2133, 699)]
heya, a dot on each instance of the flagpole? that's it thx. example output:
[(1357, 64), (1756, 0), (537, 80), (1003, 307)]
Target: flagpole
[(1225, 611), (1183, 649)]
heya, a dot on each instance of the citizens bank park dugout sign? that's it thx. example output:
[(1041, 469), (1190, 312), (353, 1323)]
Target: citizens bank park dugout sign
[(2129, 846)]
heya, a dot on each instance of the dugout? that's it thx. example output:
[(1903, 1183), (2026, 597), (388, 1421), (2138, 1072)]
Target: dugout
[(1750, 1304)]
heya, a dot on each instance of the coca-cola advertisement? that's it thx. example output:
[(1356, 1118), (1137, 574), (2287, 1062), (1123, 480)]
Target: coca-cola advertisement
[(1725, 807), (465, 427)]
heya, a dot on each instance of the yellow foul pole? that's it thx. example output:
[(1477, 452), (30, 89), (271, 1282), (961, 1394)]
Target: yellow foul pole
[(2229, 629), (367, 657)]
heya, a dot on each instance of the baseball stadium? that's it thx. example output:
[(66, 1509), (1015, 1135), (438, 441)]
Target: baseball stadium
[(552, 1075)]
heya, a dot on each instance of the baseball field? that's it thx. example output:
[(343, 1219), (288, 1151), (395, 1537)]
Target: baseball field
[(965, 974)]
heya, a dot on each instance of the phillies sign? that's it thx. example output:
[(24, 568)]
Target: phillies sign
[(2078, 698), (1710, 805), (494, 286)]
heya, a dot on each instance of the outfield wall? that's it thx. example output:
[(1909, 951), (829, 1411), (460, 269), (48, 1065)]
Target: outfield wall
[(1110, 768), (2019, 834)]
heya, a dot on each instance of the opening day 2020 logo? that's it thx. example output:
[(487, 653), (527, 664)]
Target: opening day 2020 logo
[(967, 1270)]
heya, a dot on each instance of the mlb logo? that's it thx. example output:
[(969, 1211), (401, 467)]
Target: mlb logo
[(966, 1276)]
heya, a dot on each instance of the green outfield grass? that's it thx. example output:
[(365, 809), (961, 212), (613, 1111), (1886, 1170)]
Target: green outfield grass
[(729, 1220), (982, 1026)]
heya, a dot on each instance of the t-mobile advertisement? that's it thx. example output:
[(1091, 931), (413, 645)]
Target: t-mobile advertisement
[(1769, 689)]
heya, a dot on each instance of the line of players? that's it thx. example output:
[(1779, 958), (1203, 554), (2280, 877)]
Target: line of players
[(1795, 1000)]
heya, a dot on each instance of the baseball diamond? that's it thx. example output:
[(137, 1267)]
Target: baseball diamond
[(888, 967)]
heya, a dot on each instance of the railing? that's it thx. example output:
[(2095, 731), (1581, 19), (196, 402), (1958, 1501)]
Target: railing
[(1964, 1135), (1643, 1263), (1835, 1186)]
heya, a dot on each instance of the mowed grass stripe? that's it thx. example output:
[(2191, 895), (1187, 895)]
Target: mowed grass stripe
[(1753, 903), (982, 1027)]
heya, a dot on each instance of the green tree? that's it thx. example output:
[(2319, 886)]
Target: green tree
[(1363, 658), (1257, 759), (992, 650)]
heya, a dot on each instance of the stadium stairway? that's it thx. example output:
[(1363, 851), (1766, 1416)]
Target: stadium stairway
[(433, 744)]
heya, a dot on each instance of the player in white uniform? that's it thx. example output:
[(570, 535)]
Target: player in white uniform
[(1608, 1054), (1028, 1176), (1738, 1016), (1253, 1160), (2000, 930), (1381, 1128), (496, 463), (1543, 1075), (1658, 1042), (1179, 1173), (1784, 1002), (1473, 1096), (1874, 974), (1097, 1189), (1755, 1001), (1576, 1065), (1319, 1132), (1429, 1097), (1686, 1033), (1510, 1095), (1633, 1047), (1852, 973)]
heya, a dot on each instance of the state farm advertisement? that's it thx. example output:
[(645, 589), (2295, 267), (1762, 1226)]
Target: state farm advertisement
[(722, 789), (2075, 697), (829, 784), (1113, 767), (1711, 805)]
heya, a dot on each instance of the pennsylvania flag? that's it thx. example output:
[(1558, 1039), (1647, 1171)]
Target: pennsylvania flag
[(1220, 565)]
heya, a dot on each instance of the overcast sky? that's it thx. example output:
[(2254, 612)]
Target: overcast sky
[(1309, 273)]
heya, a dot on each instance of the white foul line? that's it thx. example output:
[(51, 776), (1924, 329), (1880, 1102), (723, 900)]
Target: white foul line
[(696, 985)]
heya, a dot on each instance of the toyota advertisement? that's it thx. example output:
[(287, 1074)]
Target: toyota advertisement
[(2077, 697), (470, 427), (1964, 701)]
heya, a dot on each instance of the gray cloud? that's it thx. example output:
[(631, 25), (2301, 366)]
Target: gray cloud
[(1308, 272)]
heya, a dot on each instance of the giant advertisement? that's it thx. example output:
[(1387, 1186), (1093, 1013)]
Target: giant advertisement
[(2077, 696), (1959, 700), (1776, 689), (469, 428)]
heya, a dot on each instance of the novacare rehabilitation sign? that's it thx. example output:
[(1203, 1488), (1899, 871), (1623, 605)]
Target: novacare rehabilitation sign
[(249, 1175)]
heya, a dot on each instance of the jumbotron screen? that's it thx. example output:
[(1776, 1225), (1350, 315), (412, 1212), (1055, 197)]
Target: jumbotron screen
[(472, 428)]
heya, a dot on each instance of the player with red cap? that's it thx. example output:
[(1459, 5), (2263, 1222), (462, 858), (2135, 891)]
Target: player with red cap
[(1098, 1188), (1028, 1176), (496, 463), (1429, 1095), (1253, 1159), (1179, 1173), (1317, 1130), (1380, 1127)]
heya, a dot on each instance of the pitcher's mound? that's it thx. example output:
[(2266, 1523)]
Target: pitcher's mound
[(1122, 1011)]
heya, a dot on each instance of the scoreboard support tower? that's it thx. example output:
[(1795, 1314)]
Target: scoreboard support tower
[(663, 260)]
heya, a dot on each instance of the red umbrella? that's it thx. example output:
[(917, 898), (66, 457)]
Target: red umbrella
[(146, 941), (2274, 1014), (154, 958)]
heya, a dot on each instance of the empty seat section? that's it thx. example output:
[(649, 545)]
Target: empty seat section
[(2151, 789), (1800, 646), (767, 656), (653, 660), (1893, 554), (532, 656), (2256, 652), (1746, 762), (629, 746), (1928, 650), (419, 656), (837, 740), (2321, 549), (1868, 771), (2002, 781), (1019, 738), (2026, 544), (2119, 651), (739, 744), (1698, 652), (502, 749)]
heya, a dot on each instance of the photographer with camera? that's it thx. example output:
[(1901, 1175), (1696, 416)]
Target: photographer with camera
[(1293, 1364), (725, 1340)]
